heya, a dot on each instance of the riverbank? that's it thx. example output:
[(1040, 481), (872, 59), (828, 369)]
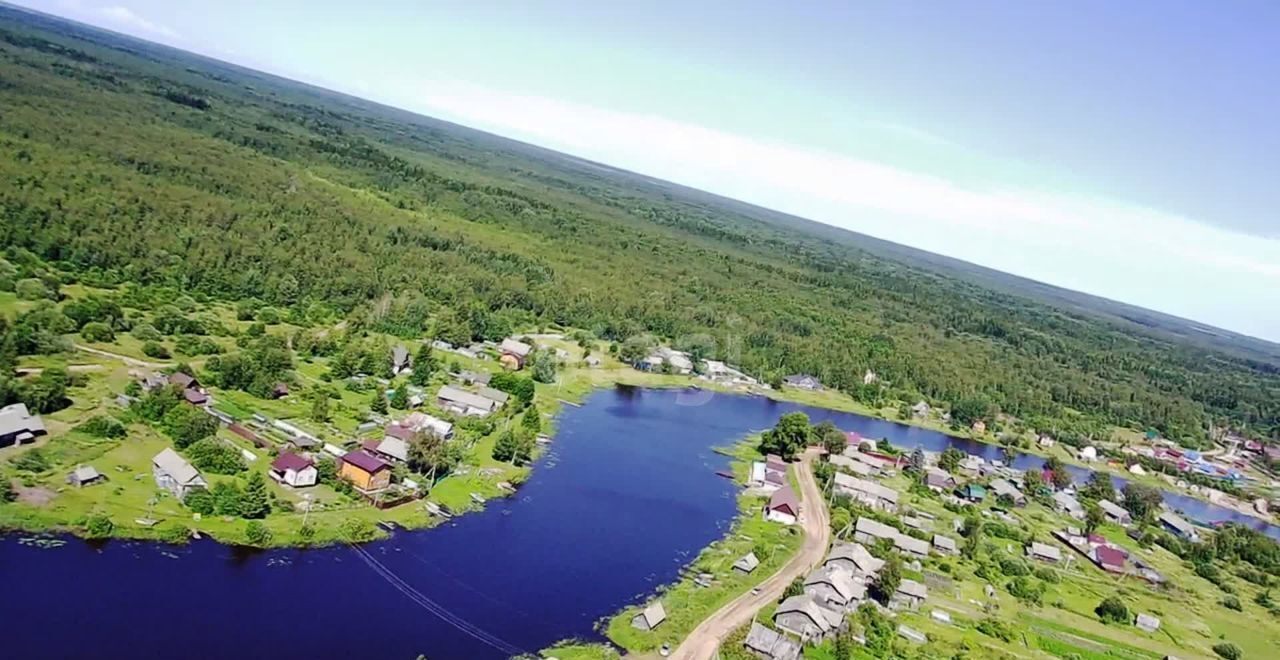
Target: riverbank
[(693, 598)]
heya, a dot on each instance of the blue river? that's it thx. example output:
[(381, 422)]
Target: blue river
[(626, 495)]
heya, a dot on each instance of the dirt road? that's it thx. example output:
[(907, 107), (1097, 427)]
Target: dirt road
[(701, 644), (133, 362)]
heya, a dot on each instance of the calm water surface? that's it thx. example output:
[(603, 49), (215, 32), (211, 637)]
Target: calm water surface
[(625, 497)]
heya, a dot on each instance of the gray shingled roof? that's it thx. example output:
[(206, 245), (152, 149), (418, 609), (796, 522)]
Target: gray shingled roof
[(15, 418), (178, 469), (469, 399)]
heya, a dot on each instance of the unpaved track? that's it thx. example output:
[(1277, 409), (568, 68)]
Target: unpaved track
[(701, 644)]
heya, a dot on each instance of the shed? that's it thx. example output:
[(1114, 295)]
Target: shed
[(770, 644), (649, 618), (84, 475), (1109, 558), (1044, 552), (1147, 622), (176, 475), (911, 545), (944, 544), (746, 563)]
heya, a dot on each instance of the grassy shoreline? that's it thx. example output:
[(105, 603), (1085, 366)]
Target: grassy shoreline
[(688, 604), (573, 387)]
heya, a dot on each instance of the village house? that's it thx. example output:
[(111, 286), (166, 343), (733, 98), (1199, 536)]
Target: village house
[(467, 404), (938, 480), (945, 545), (1044, 552), (400, 359), (280, 390), (979, 427), (650, 617), (854, 558), (876, 463), (366, 472), (1115, 513), (1067, 503), (804, 617), (195, 397), (868, 531), (973, 492), (150, 380), (919, 523), (868, 492), (184, 381), (18, 425), (803, 382), (971, 465), (1005, 488), (849, 465), (678, 361), (921, 409), (1108, 558), (475, 377), (835, 587), (783, 506), (909, 595), (175, 475), (911, 546), (770, 644), (294, 470), (1179, 527), (390, 448), (514, 353), (746, 563), (85, 475), (766, 479)]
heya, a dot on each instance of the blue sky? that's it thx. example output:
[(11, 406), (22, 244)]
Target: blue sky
[(1129, 150)]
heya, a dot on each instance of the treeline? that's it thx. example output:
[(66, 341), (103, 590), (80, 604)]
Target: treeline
[(309, 204)]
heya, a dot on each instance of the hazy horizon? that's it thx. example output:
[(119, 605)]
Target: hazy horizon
[(1050, 192)]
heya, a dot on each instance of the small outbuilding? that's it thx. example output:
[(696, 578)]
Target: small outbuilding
[(1147, 622), (747, 563), (294, 470), (770, 644), (650, 617), (85, 475), (1044, 552)]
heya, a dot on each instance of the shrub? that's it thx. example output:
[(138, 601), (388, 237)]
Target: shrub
[(257, 533), (1207, 571), (1227, 650), (33, 461), (101, 426), (97, 331), (1026, 590), (174, 533), (212, 456), (98, 526), (146, 332), (1048, 575), (1112, 610), (357, 530), (1013, 567), (1231, 603), (31, 289), (199, 501), (153, 350), (996, 628)]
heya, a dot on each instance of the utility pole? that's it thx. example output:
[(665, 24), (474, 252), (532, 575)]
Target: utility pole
[(306, 509)]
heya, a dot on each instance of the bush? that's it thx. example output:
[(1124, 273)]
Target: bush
[(1231, 603), (357, 530), (211, 455), (257, 533), (31, 289), (1026, 590), (1048, 575), (1207, 571), (1227, 650), (101, 426), (1112, 610), (153, 350), (146, 332), (996, 628), (199, 501), (1013, 567), (98, 526), (175, 533), (97, 331), (33, 461)]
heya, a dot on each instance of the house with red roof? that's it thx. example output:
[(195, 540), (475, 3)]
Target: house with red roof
[(294, 470), (1109, 558), (783, 506)]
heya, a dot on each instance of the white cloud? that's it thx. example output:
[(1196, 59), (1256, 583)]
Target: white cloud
[(126, 20), (1102, 246)]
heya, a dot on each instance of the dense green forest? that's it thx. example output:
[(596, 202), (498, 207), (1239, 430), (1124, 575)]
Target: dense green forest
[(127, 163)]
